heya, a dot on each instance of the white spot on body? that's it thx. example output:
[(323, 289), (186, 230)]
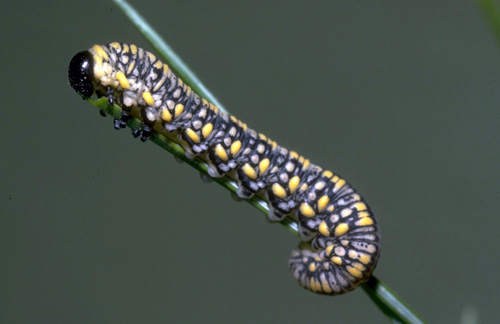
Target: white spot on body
[(150, 114), (197, 124), (254, 158), (340, 251), (284, 177), (319, 185)]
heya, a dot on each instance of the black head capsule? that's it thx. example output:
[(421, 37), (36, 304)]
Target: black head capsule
[(81, 73)]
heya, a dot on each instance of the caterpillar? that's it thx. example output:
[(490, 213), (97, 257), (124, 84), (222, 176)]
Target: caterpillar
[(340, 238)]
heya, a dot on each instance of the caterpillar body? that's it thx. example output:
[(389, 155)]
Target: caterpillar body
[(340, 236)]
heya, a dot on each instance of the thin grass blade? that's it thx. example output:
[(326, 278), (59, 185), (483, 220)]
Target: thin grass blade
[(390, 303)]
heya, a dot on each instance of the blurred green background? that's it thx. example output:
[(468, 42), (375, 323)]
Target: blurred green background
[(401, 99)]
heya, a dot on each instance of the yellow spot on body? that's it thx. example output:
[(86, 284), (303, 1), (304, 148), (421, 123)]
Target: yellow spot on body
[(325, 285), (180, 83), (233, 119), (151, 56), (126, 49), (360, 206), (235, 147), (371, 248), (130, 67), (355, 272), (166, 115), (323, 229), (293, 183), (278, 190), (263, 165), (327, 174), (159, 84), (133, 49), (262, 137), (307, 210), (97, 60), (353, 254), (204, 101), (179, 108), (123, 80), (188, 91), (99, 50), (363, 214), (165, 68), (146, 95), (339, 185), (312, 267), (216, 109), (317, 287), (359, 266), (365, 221), (192, 135), (365, 258), (330, 208), (306, 164), (207, 130), (221, 152), (294, 154), (317, 258), (329, 249), (116, 46), (312, 284), (249, 171), (341, 229), (322, 202), (158, 65), (304, 187), (337, 260)]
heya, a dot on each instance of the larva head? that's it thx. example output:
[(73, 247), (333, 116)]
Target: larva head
[(81, 74)]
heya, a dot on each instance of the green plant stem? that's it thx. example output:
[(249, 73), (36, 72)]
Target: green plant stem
[(389, 303)]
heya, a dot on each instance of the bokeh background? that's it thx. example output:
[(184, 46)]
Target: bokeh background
[(401, 99)]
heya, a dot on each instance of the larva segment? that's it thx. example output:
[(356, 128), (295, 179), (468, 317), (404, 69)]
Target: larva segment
[(340, 235)]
